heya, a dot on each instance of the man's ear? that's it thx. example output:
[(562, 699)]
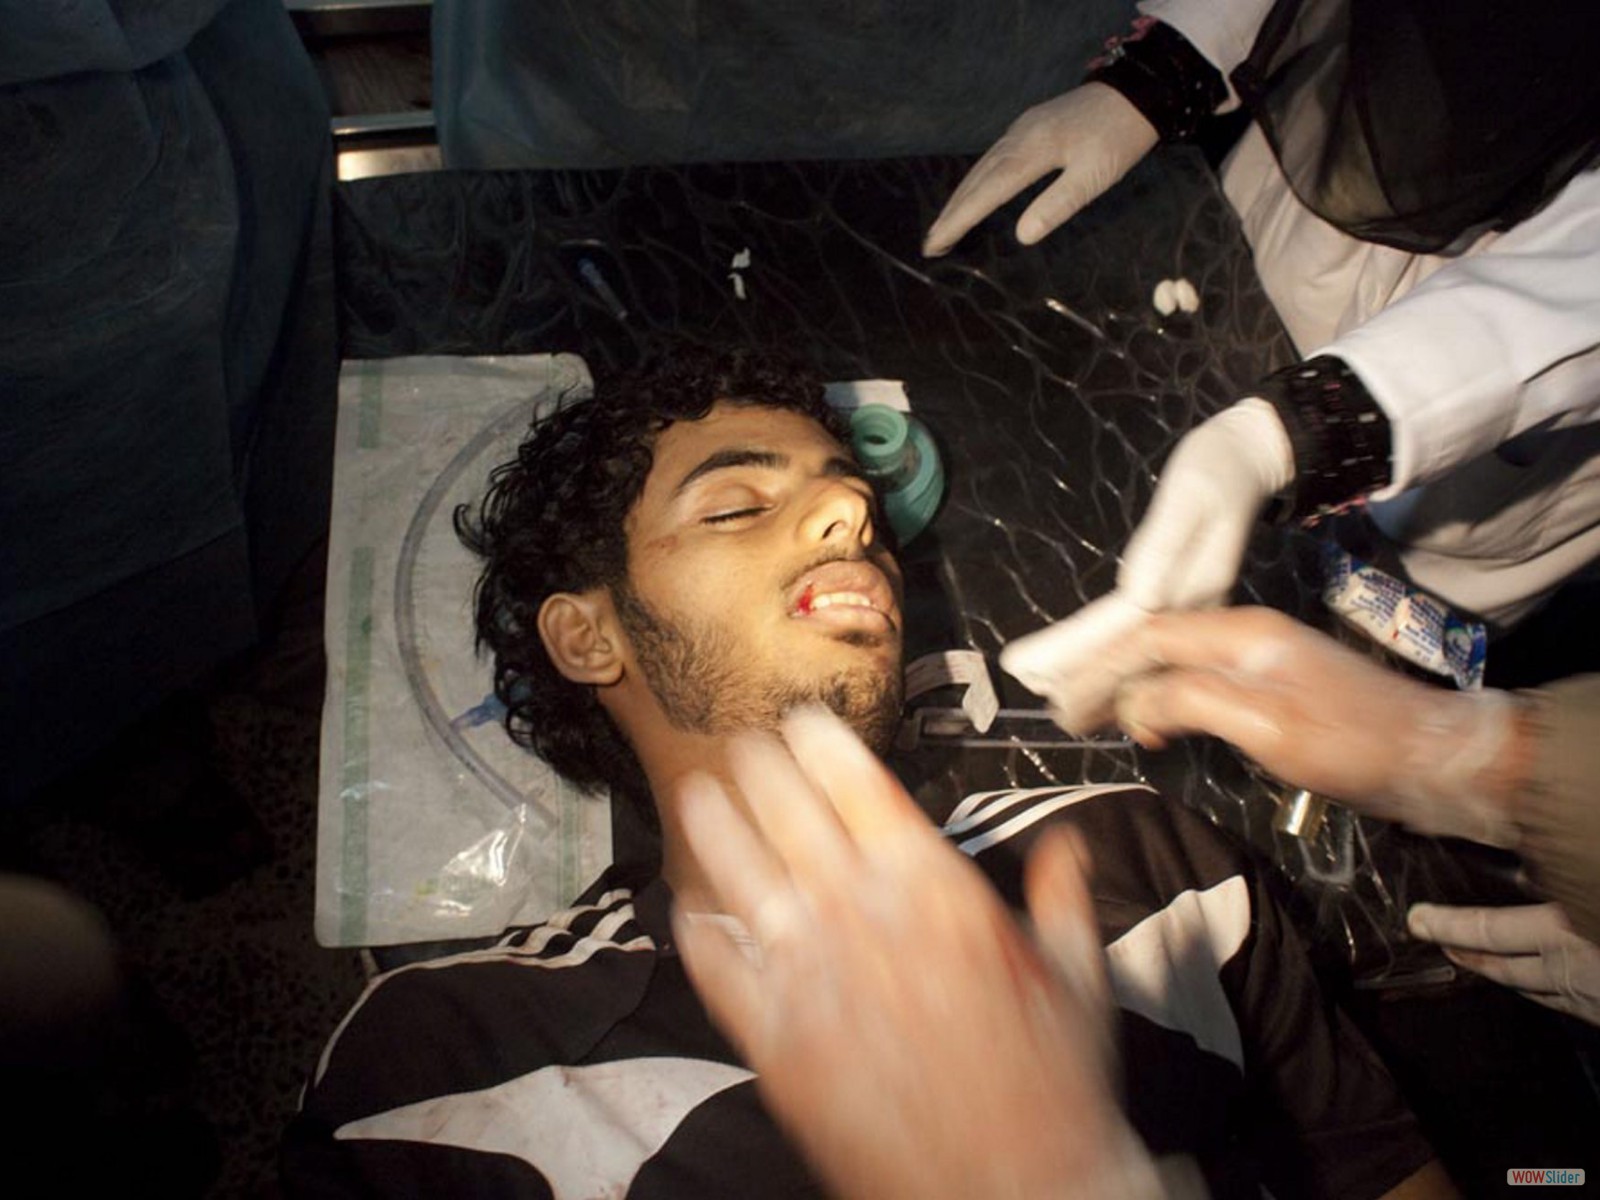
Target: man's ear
[(578, 631)]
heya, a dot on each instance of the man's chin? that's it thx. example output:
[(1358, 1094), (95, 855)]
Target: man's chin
[(878, 729), (868, 702)]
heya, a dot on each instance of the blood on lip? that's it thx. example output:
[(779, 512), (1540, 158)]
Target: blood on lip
[(803, 605)]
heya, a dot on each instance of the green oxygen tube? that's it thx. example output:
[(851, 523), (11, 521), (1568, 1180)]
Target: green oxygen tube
[(898, 453)]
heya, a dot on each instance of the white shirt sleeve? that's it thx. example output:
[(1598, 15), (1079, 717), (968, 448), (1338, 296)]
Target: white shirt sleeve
[(1491, 345), (1494, 343), (1222, 30)]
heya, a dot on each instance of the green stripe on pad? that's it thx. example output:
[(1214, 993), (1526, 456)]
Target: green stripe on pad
[(354, 784)]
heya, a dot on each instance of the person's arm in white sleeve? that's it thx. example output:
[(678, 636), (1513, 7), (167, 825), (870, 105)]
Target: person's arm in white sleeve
[(1491, 345)]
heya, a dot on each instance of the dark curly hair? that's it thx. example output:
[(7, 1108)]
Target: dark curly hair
[(552, 521)]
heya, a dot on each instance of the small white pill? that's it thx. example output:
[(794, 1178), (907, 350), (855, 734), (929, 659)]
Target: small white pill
[(1165, 299), (1184, 293)]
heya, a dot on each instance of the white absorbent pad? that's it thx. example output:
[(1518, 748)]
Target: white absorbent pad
[(432, 823)]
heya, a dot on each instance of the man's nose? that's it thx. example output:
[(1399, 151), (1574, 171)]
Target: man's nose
[(837, 511)]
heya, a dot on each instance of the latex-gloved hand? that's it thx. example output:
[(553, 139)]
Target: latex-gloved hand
[(877, 953), (1321, 716), (1185, 554), (1078, 664), (1187, 550), (1529, 948), (1092, 135)]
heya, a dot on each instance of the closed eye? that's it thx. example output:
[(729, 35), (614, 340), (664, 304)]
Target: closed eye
[(731, 515)]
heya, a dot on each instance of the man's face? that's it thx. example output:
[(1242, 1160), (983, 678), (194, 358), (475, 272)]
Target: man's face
[(756, 579)]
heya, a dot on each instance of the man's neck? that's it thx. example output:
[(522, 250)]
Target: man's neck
[(679, 866), (668, 756)]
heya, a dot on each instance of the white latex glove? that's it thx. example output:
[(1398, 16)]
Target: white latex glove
[(1321, 716), (1077, 664), (1092, 135), (1187, 549), (888, 1003), (1529, 948)]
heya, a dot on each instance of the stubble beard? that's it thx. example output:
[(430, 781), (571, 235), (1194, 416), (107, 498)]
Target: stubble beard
[(697, 675)]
